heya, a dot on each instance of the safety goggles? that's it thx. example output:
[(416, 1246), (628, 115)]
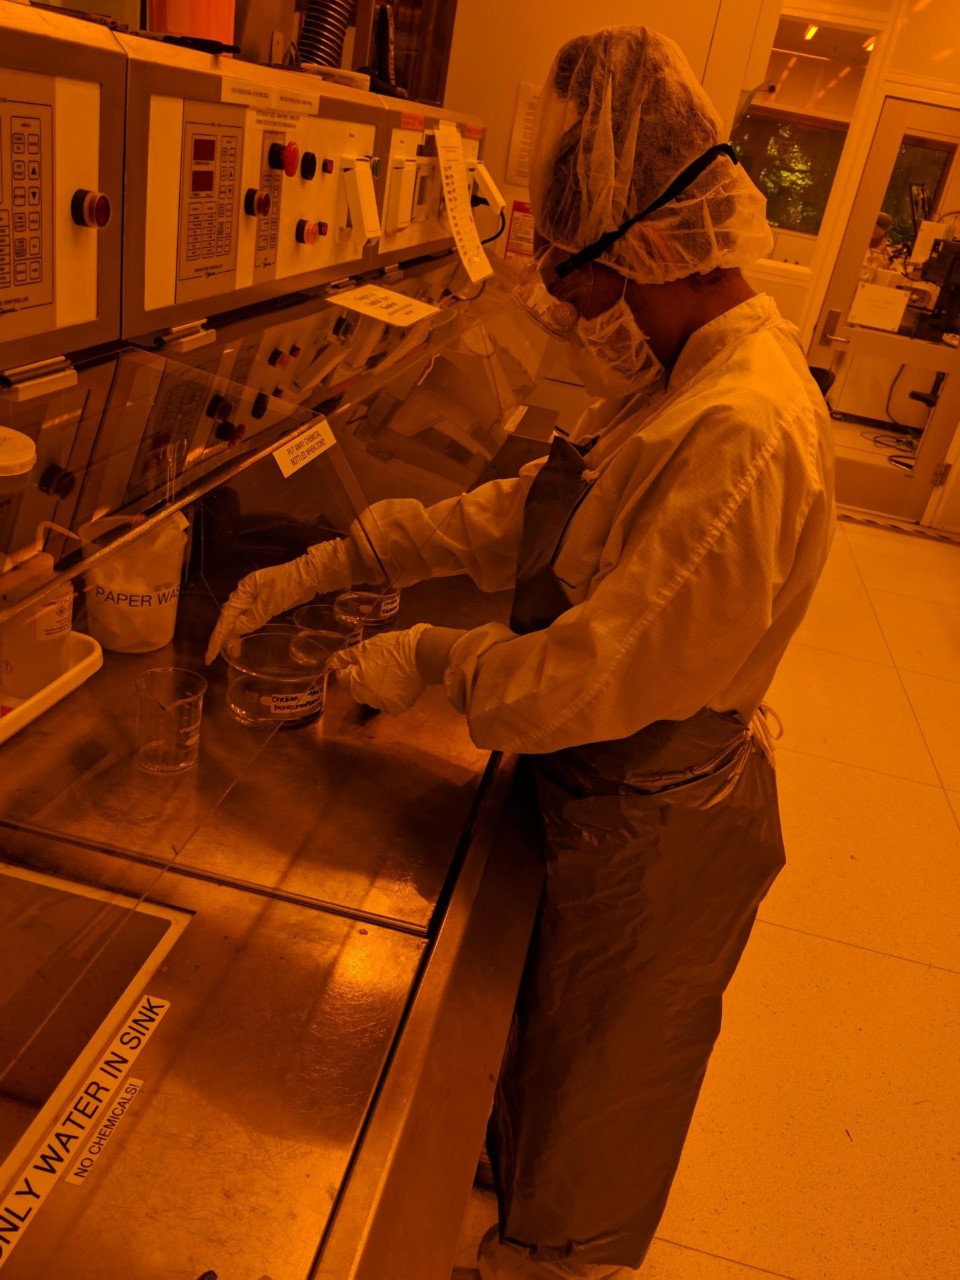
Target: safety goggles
[(546, 290), (548, 299)]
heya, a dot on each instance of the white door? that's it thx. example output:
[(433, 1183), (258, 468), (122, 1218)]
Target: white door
[(896, 395)]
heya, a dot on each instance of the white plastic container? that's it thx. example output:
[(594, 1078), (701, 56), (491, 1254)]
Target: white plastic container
[(18, 454), (83, 657), (33, 645)]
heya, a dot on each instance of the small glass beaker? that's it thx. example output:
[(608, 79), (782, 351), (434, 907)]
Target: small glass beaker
[(168, 719), (369, 610), (322, 620)]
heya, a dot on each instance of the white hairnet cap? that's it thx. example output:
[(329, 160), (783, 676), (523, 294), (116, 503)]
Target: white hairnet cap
[(620, 117)]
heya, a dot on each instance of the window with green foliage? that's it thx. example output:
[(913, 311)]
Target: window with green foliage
[(793, 160), (919, 173)]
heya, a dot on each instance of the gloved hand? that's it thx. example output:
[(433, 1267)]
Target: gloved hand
[(261, 595), (382, 671)]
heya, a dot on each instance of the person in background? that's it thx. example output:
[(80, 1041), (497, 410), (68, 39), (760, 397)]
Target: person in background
[(660, 562), (879, 255)]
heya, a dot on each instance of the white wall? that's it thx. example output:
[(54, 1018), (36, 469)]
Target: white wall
[(928, 42), (499, 44)]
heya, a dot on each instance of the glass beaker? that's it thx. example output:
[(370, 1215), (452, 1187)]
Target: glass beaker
[(369, 610), (322, 620), (168, 719), (277, 675)]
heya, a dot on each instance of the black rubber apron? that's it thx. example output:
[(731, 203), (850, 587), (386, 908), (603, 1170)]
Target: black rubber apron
[(659, 849)]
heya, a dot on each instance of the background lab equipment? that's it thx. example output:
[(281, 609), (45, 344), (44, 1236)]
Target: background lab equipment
[(252, 1010)]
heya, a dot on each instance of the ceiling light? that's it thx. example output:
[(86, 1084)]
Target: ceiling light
[(811, 31), (796, 53), (870, 45)]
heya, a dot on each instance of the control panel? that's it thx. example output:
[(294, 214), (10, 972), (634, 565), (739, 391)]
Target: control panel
[(26, 234), (242, 183), (61, 81), (209, 206), (263, 203)]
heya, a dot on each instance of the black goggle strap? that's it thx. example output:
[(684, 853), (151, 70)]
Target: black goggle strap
[(676, 187)]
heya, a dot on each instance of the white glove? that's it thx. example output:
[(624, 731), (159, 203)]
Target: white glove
[(260, 596), (382, 671)]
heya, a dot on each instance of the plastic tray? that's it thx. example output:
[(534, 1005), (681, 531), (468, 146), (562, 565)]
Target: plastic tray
[(84, 656)]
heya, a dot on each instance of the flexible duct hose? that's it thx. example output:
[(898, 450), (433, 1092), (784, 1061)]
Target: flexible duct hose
[(323, 32)]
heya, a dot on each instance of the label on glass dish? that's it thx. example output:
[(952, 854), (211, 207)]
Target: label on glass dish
[(286, 705)]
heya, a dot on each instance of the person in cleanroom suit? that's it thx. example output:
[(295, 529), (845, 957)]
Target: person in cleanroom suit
[(660, 564)]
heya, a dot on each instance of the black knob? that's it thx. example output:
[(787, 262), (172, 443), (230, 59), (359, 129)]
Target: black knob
[(308, 165), (219, 408), (58, 481), (230, 432), (260, 405)]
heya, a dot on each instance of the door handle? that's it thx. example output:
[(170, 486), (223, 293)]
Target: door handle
[(829, 329)]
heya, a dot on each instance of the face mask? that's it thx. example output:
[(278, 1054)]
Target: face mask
[(612, 355)]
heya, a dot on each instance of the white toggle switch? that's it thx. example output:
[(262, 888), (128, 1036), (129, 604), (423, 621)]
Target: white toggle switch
[(361, 197), (486, 186), (403, 182)]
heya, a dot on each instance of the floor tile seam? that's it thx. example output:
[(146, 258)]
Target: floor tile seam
[(844, 653), (955, 809), (919, 723), (902, 595), (871, 662), (864, 768), (857, 946), (868, 589), (929, 675), (722, 1257)]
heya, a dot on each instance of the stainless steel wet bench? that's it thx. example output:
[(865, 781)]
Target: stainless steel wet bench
[(293, 989)]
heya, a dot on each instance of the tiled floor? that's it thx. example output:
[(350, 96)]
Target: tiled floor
[(827, 1141)]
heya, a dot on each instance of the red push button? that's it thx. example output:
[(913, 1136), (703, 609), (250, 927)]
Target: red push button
[(285, 156), (279, 359), (307, 232), (327, 166), (90, 209), (322, 228)]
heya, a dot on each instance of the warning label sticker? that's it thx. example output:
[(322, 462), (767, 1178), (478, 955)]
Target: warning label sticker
[(291, 457), (77, 1126), (108, 1125)]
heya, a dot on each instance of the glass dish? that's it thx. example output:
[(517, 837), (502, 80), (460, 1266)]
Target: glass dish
[(277, 675)]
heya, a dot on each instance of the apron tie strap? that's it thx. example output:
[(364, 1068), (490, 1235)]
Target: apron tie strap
[(762, 726)]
